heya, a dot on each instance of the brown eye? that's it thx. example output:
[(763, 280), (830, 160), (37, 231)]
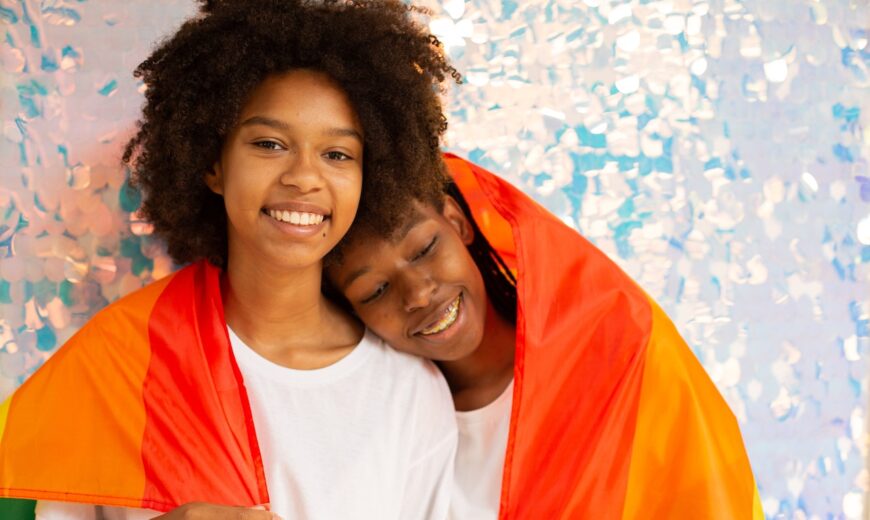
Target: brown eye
[(268, 145), (337, 156)]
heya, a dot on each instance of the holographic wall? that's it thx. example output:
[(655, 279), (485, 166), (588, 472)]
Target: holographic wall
[(714, 148)]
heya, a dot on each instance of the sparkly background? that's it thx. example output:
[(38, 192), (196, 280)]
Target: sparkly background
[(715, 149)]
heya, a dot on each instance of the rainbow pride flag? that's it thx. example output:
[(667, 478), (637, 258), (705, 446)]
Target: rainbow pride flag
[(613, 416), (143, 407)]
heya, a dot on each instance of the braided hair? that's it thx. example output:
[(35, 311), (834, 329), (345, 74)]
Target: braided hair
[(500, 282)]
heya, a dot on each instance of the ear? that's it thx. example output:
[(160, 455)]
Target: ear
[(458, 220), (214, 179)]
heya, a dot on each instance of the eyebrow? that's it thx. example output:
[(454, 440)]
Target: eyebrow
[(281, 125), (400, 234), (353, 276), (344, 132), (265, 121)]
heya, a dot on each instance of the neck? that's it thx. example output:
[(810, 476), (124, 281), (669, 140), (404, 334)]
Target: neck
[(481, 377), (280, 313)]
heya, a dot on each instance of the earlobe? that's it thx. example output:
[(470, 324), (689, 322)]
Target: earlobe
[(458, 219), (214, 179)]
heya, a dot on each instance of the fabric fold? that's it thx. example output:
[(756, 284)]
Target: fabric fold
[(613, 416), (143, 407)]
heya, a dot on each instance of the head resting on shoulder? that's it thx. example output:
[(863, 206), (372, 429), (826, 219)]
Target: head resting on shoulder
[(429, 285)]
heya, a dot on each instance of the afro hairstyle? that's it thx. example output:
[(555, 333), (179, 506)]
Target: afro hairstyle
[(198, 80)]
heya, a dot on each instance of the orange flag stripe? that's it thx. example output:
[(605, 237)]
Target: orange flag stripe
[(70, 401), (144, 407), (686, 435)]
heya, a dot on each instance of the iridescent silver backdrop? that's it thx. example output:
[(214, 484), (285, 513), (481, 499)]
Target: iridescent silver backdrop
[(714, 148)]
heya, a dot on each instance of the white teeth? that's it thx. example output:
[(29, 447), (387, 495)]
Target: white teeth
[(296, 217), (449, 317)]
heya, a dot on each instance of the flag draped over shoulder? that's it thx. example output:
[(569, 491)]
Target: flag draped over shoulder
[(613, 416), (143, 407)]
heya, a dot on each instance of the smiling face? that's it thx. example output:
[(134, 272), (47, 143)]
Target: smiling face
[(421, 291), (290, 171)]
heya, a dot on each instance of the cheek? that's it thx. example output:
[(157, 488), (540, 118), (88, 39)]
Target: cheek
[(347, 191), (241, 191), (351, 187), (384, 323), (466, 270), (457, 264)]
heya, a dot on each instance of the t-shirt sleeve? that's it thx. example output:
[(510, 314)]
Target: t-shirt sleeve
[(430, 476)]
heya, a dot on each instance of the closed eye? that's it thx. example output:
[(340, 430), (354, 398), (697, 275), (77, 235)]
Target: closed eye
[(381, 289), (426, 250)]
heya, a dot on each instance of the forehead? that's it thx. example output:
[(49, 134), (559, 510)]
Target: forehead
[(369, 237), (300, 91), (364, 250), (415, 216)]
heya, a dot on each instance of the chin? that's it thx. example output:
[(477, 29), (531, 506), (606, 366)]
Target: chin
[(453, 354), (297, 257), (433, 354)]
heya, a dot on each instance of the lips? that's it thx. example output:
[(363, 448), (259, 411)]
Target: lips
[(443, 319)]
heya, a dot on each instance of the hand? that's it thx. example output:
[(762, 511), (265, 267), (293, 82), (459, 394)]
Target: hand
[(204, 511)]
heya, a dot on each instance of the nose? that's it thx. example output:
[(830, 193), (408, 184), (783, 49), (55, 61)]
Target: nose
[(302, 172), (417, 290)]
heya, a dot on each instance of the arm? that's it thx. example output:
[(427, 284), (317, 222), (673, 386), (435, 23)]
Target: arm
[(204, 511), (65, 511), (194, 511)]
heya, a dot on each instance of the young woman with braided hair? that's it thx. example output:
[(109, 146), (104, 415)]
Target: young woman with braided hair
[(436, 288), (575, 396)]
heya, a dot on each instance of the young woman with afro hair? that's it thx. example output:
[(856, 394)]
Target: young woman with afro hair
[(234, 388)]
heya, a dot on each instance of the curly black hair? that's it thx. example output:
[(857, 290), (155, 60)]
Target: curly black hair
[(390, 67)]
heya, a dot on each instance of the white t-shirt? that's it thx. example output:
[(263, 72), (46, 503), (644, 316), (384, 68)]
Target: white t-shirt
[(483, 435), (370, 436)]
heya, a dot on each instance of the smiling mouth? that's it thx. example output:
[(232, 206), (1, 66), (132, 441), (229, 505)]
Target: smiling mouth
[(447, 319), (296, 218)]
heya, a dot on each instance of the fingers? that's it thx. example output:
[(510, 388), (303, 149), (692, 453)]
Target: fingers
[(251, 513)]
